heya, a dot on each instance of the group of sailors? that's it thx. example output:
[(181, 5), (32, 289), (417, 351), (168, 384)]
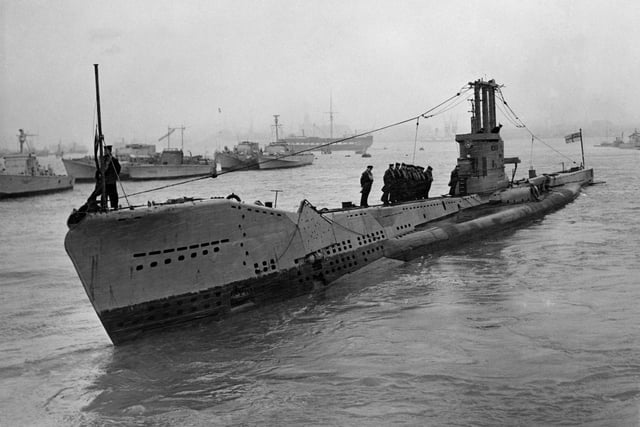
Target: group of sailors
[(402, 183)]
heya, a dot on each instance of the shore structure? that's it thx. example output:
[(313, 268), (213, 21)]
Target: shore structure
[(146, 268)]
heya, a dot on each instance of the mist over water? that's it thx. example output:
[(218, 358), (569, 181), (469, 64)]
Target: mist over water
[(530, 326)]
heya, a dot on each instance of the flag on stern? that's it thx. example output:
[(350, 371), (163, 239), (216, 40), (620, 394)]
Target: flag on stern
[(572, 137)]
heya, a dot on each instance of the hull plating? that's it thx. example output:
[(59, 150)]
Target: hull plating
[(318, 144), (230, 161), (142, 172), (150, 267), (269, 162), (25, 185)]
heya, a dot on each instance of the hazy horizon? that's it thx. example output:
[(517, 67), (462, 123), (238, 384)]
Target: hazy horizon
[(224, 69)]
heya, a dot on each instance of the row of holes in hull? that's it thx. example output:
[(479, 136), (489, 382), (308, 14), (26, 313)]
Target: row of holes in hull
[(274, 287)]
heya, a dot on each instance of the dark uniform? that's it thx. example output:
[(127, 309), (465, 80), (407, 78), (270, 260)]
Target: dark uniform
[(453, 181), (394, 191), (404, 183), (428, 180), (112, 169), (388, 184), (366, 181)]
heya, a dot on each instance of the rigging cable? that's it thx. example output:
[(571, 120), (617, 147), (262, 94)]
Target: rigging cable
[(509, 117), (124, 193), (427, 114), (175, 184), (533, 136)]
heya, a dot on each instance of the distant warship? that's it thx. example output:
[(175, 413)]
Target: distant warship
[(22, 174)]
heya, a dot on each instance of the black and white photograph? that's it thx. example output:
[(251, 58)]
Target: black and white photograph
[(319, 213)]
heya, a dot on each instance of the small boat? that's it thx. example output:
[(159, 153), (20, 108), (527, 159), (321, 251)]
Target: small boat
[(150, 267), (632, 143), (171, 164), (243, 156), (280, 155), (83, 169), (22, 175), (617, 142)]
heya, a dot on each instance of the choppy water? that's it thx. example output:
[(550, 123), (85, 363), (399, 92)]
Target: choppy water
[(533, 326)]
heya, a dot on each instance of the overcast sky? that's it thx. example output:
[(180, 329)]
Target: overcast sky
[(232, 64)]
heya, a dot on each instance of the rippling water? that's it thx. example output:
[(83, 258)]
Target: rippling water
[(533, 326)]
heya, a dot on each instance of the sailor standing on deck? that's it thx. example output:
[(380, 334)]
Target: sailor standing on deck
[(453, 182), (366, 181), (395, 182), (388, 184), (111, 173), (429, 179), (111, 168)]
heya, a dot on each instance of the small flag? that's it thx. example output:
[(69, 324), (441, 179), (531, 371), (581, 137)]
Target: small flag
[(573, 137)]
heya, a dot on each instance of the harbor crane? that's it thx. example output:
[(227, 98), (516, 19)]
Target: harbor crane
[(170, 130)]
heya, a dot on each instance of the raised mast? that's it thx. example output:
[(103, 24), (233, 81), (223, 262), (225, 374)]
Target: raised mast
[(330, 113), (331, 116), (275, 119), (99, 141)]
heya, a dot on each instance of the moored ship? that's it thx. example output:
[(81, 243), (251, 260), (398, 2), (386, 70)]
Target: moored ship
[(615, 143), (83, 168), (280, 155), (358, 144), (22, 175), (632, 143), (145, 268), (171, 164), (243, 156)]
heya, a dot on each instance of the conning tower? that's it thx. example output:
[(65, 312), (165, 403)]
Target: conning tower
[(481, 160)]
